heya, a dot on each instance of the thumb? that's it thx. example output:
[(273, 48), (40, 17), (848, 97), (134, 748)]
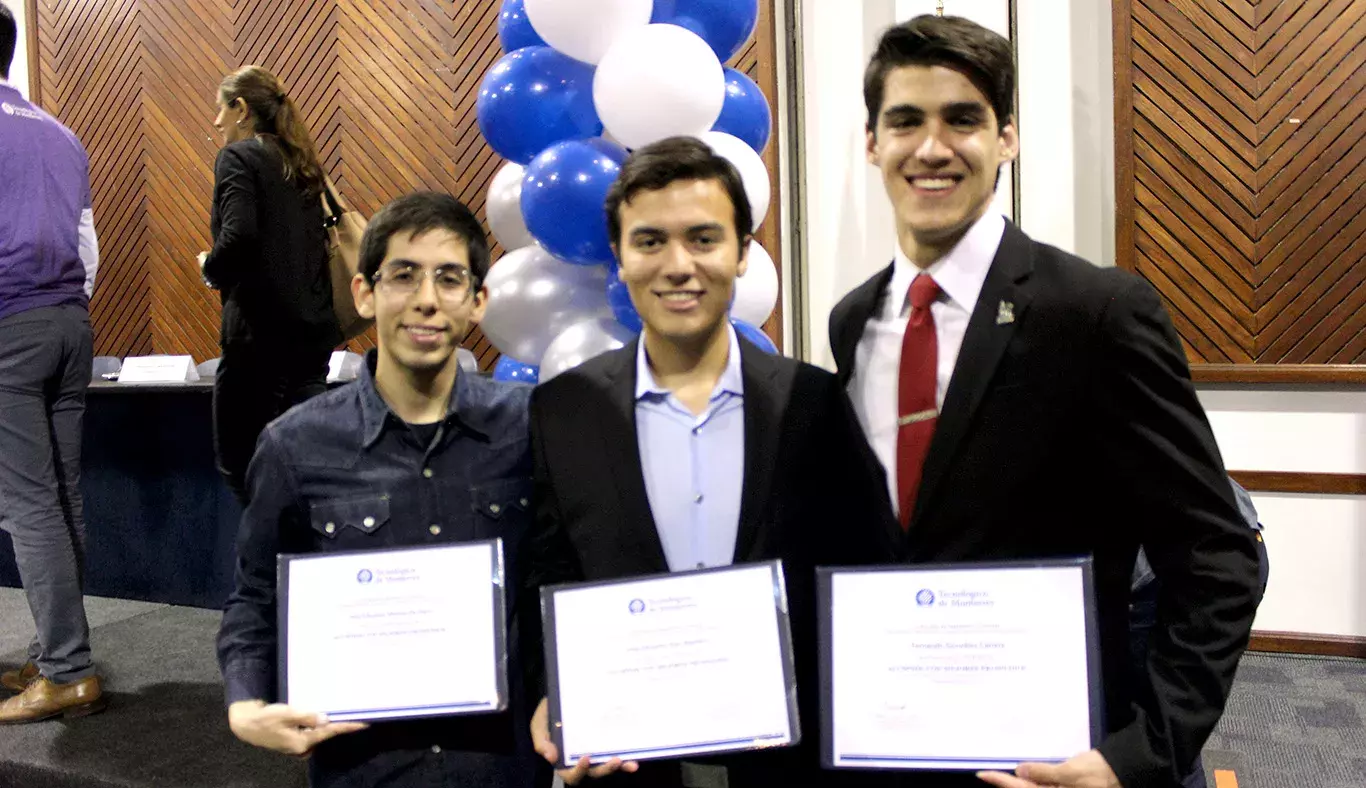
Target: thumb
[(1042, 773), (302, 719)]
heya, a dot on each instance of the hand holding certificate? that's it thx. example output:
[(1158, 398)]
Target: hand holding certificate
[(342, 615), (958, 667), (682, 664)]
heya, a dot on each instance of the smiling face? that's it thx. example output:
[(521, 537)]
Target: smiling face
[(939, 146), (421, 311), (680, 254)]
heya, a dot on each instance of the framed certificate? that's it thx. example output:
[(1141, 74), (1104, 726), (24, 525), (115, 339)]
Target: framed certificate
[(389, 634), (958, 666), (670, 665)]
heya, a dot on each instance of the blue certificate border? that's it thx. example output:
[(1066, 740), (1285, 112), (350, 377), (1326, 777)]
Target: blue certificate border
[(824, 607), (498, 577), (552, 671)]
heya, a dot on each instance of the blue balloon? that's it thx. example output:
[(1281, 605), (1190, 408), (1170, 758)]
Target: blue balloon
[(724, 24), (745, 113), (563, 193), (620, 300), (756, 336), (510, 370), (534, 98), (514, 27)]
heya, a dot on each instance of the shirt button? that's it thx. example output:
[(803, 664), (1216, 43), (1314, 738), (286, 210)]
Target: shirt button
[(495, 508), (697, 498), (525, 502), (427, 473), (436, 749), (369, 522), (434, 529), (330, 527)]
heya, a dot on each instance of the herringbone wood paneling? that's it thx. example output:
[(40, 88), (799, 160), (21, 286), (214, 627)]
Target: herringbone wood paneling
[(387, 88), (1241, 173)]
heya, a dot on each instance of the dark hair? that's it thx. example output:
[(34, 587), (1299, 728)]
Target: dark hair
[(418, 213), (9, 38), (278, 123), (984, 57), (659, 164)]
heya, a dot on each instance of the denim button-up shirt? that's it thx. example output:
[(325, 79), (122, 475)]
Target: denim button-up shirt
[(342, 472)]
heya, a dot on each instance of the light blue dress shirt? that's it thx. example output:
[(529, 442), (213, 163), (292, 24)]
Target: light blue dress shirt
[(694, 466)]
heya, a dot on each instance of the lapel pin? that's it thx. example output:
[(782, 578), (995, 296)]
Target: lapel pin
[(1005, 313)]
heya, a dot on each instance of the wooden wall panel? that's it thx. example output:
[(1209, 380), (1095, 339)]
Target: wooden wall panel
[(1241, 174), (387, 88)]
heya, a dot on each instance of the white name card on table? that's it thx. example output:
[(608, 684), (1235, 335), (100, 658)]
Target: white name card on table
[(158, 369)]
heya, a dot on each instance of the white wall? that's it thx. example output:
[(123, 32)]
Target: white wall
[(1317, 543), (18, 70)]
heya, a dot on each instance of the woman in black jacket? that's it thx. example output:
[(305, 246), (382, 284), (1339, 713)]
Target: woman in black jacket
[(269, 261)]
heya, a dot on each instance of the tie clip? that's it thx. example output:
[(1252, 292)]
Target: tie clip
[(918, 416)]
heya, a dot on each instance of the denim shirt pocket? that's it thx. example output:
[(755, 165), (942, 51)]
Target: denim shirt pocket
[(333, 519), (502, 507)]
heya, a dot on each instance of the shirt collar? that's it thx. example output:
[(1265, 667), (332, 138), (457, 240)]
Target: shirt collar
[(960, 273), (376, 413), (732, 380)]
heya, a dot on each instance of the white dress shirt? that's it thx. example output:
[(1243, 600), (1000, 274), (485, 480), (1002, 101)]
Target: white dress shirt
[(960, 275)]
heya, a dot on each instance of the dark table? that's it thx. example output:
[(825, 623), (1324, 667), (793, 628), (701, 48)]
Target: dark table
[(160, 524)]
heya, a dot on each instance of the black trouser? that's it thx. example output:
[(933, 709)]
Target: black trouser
[(252, 388)]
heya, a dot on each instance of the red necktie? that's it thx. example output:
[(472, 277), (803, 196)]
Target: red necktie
[(917, 410)]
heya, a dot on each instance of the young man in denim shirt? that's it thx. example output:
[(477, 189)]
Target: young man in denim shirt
[(413, 453)]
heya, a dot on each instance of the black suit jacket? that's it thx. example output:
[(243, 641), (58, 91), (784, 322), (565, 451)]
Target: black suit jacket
[(269, 256), (812, 495), (1071, 427)]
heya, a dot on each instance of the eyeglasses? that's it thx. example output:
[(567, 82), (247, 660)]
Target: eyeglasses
[(401, 278)]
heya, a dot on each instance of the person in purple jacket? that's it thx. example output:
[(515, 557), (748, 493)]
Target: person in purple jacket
[(48, 256)]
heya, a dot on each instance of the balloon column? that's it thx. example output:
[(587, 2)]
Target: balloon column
[(581, 82)]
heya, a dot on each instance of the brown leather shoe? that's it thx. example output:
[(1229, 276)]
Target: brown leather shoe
[(18, 680), (44, 700)]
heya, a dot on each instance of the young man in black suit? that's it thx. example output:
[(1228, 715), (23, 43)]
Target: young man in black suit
[(692, 448), (1028, 404)]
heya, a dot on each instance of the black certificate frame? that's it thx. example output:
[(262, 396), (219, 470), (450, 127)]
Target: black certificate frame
[(781, 610), (824, 626), (498, 578)]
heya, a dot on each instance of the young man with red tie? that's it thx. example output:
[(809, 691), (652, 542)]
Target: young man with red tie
[(1027, 404)]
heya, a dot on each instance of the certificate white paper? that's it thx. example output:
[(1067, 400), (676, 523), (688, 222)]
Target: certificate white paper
[(388, 634), (960, 668), (696, 662)]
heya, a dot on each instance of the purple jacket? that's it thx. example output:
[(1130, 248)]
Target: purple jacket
[(47, 247)]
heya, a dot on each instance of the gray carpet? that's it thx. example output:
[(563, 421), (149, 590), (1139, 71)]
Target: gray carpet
[(165, 725), (1294, 721), (1291, 721)]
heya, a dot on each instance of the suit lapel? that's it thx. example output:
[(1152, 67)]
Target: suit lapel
[(1000, 307), (617, 428), (863, 301), (768, 385)]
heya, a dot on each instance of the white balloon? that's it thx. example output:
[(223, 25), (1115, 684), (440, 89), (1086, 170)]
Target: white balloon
[(585, 29), (756, 293), (656, 82), (751, 166), (504, 207), (583, 341), (533, 296)]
